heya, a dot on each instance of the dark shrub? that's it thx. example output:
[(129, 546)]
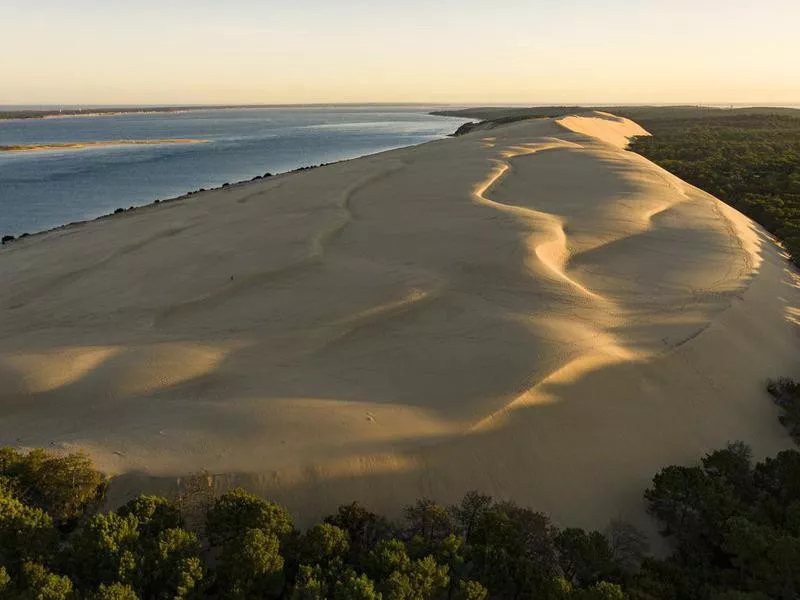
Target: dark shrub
[(786, 393), (65, 486)]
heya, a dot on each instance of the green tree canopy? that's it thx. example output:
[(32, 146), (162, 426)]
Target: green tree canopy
[(237, 511), (251, 566), (26, 533)]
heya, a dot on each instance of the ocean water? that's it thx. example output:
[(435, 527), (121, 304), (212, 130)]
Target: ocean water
[(44, 189)]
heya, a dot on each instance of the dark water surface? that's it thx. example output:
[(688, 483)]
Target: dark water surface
[(44, 189)]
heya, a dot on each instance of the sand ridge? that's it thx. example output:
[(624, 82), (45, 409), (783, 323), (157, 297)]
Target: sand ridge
[(96, 144), (539, 314)]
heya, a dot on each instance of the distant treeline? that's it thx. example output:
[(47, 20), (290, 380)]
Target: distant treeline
[(494, 113), (750, 161), (734, 527)]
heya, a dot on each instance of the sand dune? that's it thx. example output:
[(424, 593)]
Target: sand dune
[(539, 314)]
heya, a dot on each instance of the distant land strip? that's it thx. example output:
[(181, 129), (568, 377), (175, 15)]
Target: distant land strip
[(95, 144), (54, 113)]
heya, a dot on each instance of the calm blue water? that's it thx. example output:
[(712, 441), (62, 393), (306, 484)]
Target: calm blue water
[(39, 190)]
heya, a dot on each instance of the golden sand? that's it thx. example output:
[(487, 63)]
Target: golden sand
[(539, 314)]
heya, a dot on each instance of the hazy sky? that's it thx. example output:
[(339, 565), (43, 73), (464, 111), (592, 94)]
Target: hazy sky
[(262, 51)]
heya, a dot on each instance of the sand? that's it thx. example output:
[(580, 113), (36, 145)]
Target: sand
[(95, 144), (531, 311)]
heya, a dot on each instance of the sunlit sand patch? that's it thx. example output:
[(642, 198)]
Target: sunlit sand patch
[(329, 334), (553, 254), (134, 370), (743, 231), (581, 335), (147, 369), (414, 296), (532, 148), (347, 436), (340, 329), (369, 420), (603, 348), (96, 144), (793, 277), (52, 369), (540, 394), (609, 128)]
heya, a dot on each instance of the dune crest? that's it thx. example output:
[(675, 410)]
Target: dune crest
[(604, 126), (538, 314)]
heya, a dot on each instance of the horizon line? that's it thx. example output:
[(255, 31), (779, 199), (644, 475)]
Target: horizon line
[(765, 104)]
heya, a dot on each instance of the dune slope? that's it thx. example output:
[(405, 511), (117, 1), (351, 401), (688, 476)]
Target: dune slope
[(531, 311)]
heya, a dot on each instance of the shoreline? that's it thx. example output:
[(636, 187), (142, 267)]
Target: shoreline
[(8, 240), (157, 202)]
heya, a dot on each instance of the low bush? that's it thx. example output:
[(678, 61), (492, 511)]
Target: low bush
[(786, 394)]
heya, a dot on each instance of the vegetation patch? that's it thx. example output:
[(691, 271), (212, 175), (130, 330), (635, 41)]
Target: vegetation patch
[(734, 527), (786, 394)]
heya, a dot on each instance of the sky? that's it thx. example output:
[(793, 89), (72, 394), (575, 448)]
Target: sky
[(433, 51)]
